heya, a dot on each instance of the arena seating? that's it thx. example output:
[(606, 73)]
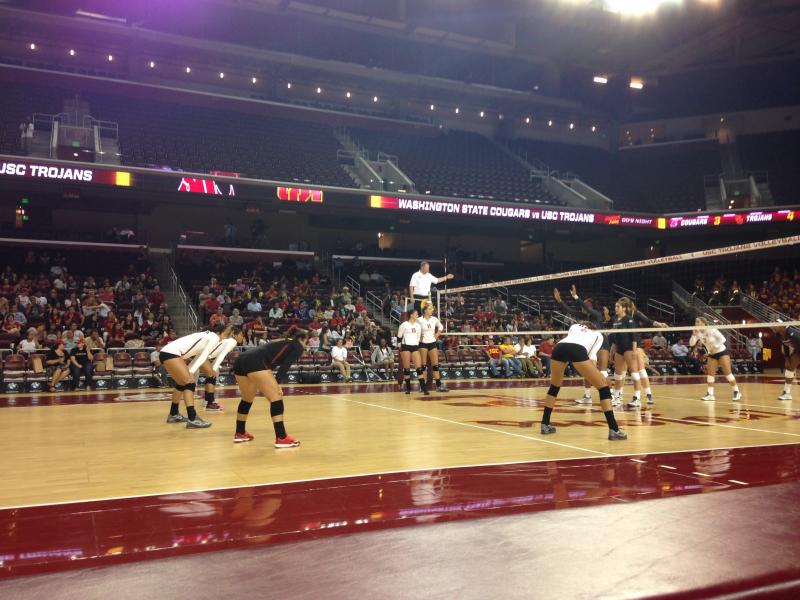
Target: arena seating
[(666, 179), (779, 155), (457, 163)]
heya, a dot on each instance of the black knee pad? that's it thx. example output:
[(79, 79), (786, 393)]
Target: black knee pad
[(435, 369), (190, 387), (244, 407), (406, 373), (211, 381), (553, 391), (605, 393), (276, 408), (420, 371)]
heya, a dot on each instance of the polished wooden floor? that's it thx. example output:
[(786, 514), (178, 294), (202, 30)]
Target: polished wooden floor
[(123, 447)]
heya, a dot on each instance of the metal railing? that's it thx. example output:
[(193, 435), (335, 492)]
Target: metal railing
[(562, 319), (354, 284), (662, 308), (529, 304), (185, 310), (761, 311), (621, 290)]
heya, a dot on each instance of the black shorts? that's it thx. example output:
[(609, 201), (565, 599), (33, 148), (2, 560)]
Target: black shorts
[(606, 344), (408, 348), (788, 350), (622, 349), (429, 346), (718, 355), (248, 362), (568, 352), (165, 356)]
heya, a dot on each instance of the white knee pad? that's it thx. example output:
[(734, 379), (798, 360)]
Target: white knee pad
[(730, 378), (710, 380), (619, 376), (788, 374), (635, 375), (643, 373), (604, 374)]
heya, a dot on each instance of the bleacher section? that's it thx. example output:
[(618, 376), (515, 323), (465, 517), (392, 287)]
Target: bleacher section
[(779, 155), (457, 163), (651, 179)]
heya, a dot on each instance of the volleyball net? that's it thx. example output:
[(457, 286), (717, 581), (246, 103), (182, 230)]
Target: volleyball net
[(750, 292)]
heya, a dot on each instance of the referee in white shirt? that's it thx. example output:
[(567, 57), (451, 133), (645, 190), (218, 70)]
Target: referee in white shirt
[(420, 287)]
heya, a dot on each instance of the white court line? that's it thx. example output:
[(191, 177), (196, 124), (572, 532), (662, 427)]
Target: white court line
[(701, 474), (797, 435), (394, 472), (737, 481), (668, 467), (450, 421), (743, 403)]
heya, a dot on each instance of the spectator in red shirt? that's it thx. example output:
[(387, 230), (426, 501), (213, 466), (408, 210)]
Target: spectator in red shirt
[(218, 318), (211, 307), (545, 350), (156, 297)]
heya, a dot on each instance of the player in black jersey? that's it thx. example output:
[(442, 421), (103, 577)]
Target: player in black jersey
[(641, 320), (255, 371), (624, 344), (790, 342)]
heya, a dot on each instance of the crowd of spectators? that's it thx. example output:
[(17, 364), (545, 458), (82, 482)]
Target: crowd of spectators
[(780, 291), (46, 305)]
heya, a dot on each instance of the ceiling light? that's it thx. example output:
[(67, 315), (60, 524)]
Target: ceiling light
[(482, 114), (71, 52), (636, 84), (572, 125), (319, 90), (188, 69), (348, 94), (221, 75), (602, 79), (527, 120), (289, 85), (110, 57), (254, 80), (152, 65), (550, 123), (433, 107), (374, 98), (33, 46), (594, 128), (458, 110)]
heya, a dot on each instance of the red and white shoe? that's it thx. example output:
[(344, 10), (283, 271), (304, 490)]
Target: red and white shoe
[(243, 437), (213, 407), (287, 442)]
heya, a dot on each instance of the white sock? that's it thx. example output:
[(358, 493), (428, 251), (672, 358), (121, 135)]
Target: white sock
[(736, 388), (787, 388), (649, 392), (637, 394), (710, 391)]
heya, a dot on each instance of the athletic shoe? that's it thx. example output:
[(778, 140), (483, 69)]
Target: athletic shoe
[(214, 407), (425, 391), (243, 437), (635, 403), (287, 442), (708, 398), (198, 423), (176, 419), (442, 388), (583, 400), (407, 391), (617, 435), (650, 399), (616, 401), (785, 396), (547, 429), (737, 396)]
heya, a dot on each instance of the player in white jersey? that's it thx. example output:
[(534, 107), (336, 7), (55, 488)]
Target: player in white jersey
[(211, 370), (717, 356), (580, 348), (408, 335), (197, 347), (428, 345)]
